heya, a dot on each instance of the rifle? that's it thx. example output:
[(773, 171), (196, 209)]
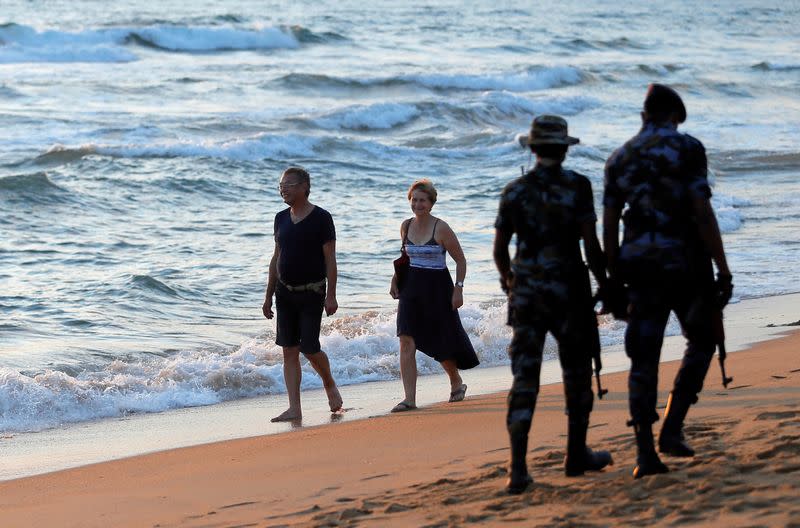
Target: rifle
[(614, 300), (719, 337), (598, 365)]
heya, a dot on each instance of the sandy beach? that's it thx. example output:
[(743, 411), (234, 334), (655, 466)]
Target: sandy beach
[(444, 465), (140, 168)]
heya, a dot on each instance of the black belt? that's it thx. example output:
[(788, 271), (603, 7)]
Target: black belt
[(318, 286)]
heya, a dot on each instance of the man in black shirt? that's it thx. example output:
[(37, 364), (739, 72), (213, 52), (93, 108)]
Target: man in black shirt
[(303, 261)]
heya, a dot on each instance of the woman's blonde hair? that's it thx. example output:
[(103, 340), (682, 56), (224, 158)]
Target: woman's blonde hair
[(424, 185)]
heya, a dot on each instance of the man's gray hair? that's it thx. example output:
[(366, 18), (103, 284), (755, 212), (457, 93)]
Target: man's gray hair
[(302, 175)]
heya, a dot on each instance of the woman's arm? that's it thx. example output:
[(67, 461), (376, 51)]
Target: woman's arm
[(393, 289), (449, 241)]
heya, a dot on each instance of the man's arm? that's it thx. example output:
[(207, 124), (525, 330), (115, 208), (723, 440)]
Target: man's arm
[(611, 218), (594, 254), (272, 281), (708, 229), (502, 259), (331, 273)]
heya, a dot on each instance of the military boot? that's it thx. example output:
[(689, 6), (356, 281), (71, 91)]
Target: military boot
[(671, 440), (579, 457), (518, 477), (647, 461)]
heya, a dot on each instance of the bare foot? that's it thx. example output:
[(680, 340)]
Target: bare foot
[(334, 399), (287, 416)]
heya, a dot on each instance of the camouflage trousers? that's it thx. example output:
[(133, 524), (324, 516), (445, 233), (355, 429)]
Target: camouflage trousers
[(574, 326), (650, 305)]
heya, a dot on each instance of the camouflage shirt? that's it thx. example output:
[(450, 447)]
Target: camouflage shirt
[(657, 173), (545, 209)]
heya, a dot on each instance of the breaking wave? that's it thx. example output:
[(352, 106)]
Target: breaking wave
[(20, 43), (537, 78)]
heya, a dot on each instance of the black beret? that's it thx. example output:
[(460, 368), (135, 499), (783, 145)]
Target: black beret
[(662, 100)]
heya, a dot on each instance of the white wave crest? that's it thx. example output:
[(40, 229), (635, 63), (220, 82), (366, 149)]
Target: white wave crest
[(777, 66), (263, 146), (537, 79), (379, 116), (176, 38), (512, 104), (726, 208), (25, 44), (19, 43)]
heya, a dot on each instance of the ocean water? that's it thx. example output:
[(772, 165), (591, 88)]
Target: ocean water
[(141, 146)]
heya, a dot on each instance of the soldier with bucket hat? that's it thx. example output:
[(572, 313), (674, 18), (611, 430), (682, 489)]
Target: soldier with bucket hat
[(550, 209)]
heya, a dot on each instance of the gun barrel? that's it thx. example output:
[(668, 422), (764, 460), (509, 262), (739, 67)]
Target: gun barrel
[(722, 356)]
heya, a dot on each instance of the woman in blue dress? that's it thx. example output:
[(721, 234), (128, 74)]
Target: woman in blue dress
[(427, 315)]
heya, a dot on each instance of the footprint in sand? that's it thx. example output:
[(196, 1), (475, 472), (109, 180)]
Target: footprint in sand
[(751, 467), (777, 415), (352, 513), (323, 491), (551, 458), (397, 507), (237, 505), (373, 477), (786, 445)]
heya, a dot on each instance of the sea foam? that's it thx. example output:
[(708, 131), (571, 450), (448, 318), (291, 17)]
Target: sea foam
[(726, 208), (362, 347)]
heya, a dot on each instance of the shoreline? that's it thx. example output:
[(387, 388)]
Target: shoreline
[(75, 445), (444, 465)]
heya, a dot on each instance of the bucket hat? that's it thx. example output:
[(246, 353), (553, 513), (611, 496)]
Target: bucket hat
[(548, 130)]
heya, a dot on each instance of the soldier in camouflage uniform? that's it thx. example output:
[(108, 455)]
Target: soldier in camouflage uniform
[(550, 209), (670, 238)]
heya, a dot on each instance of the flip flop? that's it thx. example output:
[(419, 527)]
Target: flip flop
[(403, 407), (458, 394)]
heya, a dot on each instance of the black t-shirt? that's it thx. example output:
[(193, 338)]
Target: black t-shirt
[(301, 260)]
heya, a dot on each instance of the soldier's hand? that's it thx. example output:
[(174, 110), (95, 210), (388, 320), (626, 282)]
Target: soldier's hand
[(266, 308), (724, 289), (613, 297)]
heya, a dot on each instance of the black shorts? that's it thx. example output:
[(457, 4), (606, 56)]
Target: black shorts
[(299, 315)]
